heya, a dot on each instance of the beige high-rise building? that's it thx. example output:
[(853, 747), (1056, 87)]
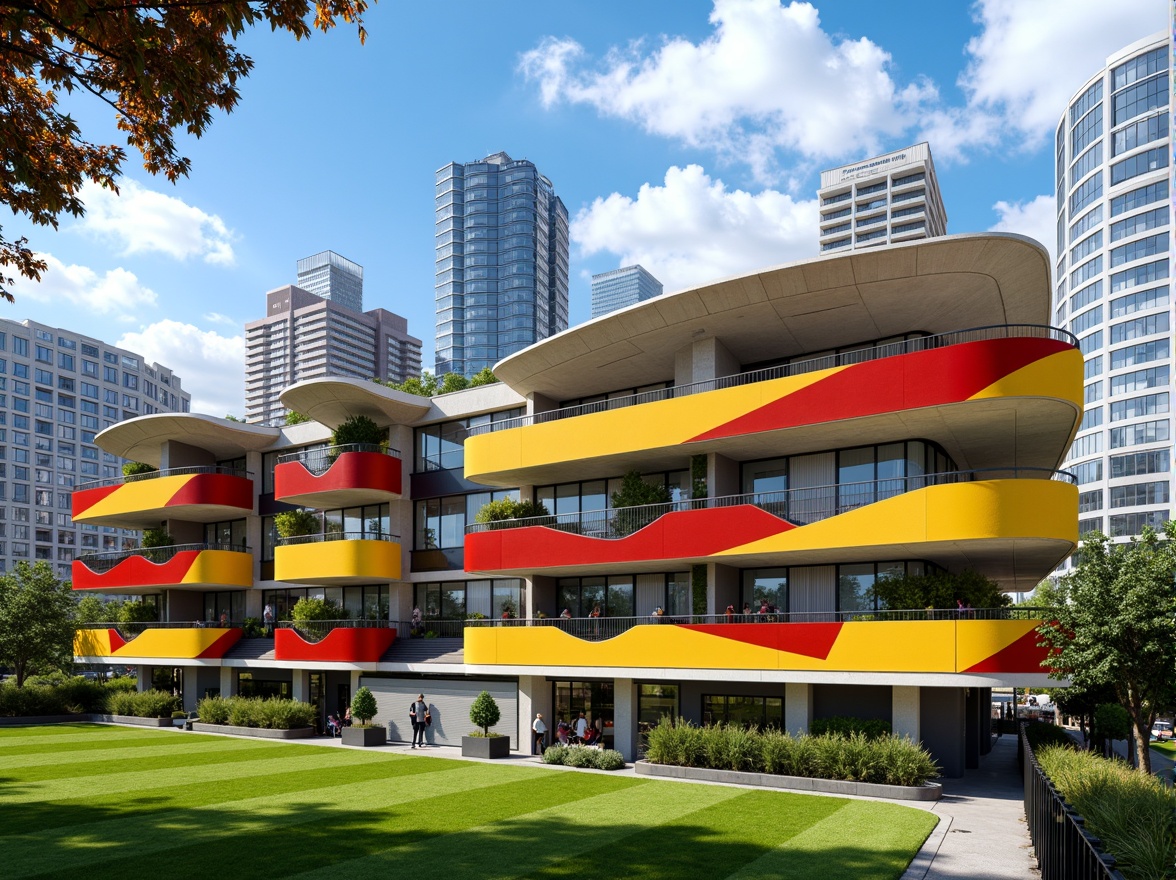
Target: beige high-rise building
[(881, 200)]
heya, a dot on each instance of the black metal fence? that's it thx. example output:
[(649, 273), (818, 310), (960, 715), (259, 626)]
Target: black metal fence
[(1065, 849), (319, 460), (101, 563)]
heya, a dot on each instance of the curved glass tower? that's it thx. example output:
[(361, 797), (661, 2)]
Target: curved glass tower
[(502, 262), (1112, 284)]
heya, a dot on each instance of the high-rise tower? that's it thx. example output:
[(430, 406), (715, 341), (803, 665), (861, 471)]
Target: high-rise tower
[(622, 287), (334, 278), (502, 262)]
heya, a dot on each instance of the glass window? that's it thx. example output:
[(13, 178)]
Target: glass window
[(765, 586), (855, 587)]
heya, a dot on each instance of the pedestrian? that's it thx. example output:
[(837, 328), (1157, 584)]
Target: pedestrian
[(415, 630), (417, 712), (267, 617), (540, 729), (581, 727)]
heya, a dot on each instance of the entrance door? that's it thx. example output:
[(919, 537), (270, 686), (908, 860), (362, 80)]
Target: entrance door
[(344, 699)]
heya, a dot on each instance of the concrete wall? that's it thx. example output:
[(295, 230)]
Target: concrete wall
[(941, 719), (852, 701)]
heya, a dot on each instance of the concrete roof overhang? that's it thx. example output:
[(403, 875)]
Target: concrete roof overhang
[(142, 439), (332, 401), (934, 285)]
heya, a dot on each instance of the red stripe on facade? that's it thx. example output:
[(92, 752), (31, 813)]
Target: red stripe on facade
[(221, 489), (135, 571), (1023, 655), (221, 646), (807, 639), (84, 499), (351, 470), (342, 645), (926, 378)]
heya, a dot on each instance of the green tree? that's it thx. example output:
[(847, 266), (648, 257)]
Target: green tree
[(483, 377), (292, 523), (509, 508), (359, 429), (37, 619), (229, 417), (296, 418), (637, 493), (136, 468), (92, 609), (452, 382), (484, 712), (136, 611), (363, 705), (423, 386), (306, 610), (1115, 626), (162, 66), (939, 589)]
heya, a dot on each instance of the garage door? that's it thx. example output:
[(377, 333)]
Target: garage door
[(449, 703)]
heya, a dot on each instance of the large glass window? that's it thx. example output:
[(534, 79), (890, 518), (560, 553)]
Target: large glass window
[(441, 522), (765, 587), (458, 600), (231, 533), (442, 446), (594, 698), (743, 711), (654, 702)]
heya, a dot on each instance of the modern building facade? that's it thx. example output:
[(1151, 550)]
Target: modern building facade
[(332, 277), (803, 457), (58, 390), (304, 336), (502, 262), (881, 200), (622, 287), (1112, 285)]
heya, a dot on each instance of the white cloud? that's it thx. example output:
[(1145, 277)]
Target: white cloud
[(768, 78), (1030, 57), (210, 366), (139, 220), (692, 228), (1036, 219), (116, 292), (218, 318)]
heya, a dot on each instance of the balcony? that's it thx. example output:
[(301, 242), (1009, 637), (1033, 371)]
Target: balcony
[(1017, 523), (334, 641), (196, 494), (180, 566), (999, 644), (339, 476), (153, 641), (988, 395), (337, 559)]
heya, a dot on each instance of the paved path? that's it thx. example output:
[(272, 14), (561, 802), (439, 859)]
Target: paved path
[(982, 833)]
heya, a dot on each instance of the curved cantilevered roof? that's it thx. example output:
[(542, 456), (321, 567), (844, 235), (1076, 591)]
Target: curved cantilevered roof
[(934, 285), (331, 401), (142, 439)]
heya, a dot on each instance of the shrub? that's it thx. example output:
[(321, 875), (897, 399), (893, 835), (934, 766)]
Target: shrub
[(142, 704), (579, 756), (485, 712), (292, 523), (359, 429), (872, 728), (855, 757), (363, 705), (609, 759), (556, 754), (156, 538), (1133, 813), (584, 756), (213, 710), (1040, 733), (136, 611), (274, 713), (316, 609), (507, 509), (295, 418), (136, 468)]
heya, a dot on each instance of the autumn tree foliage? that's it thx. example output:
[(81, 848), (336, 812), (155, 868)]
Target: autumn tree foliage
[(162, 67)]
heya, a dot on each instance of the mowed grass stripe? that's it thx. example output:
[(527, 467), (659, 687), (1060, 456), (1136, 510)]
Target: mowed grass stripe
[(98, 752), (566, 831), (29, 818), (155, 833), (116, 785), (713, 842), (47, 731), (82, 741), (315, 834), (865, 839)]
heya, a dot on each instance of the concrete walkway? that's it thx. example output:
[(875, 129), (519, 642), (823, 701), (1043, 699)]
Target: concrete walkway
[(982, 833)]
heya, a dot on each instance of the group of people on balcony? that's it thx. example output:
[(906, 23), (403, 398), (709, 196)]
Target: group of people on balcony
[(766, 613)]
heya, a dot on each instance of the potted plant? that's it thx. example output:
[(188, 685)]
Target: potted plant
[(179, 718), (485, 714), (364, 733)]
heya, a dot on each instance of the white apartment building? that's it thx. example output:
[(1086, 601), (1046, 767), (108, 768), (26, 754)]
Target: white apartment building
[(1112, 288), (58, 389), (304, 336), (881, 200)]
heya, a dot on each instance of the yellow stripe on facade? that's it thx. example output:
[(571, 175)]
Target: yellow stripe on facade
[(92, 643), (327, 561), (226, 567), (1057, 375), (626, 430), (135, 497), (177, 644)]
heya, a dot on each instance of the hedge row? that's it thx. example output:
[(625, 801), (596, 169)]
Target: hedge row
[(274, 713), (143, 704), (1132, 813), (888, 760), (59, 696), (584, 756)]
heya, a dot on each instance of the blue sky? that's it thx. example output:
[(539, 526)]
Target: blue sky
[(685, 135)]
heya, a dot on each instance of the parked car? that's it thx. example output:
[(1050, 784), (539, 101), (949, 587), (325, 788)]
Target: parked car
[(1161, 730)]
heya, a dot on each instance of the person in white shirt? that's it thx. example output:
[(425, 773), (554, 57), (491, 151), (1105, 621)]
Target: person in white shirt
[(581, 726), (540, 729)]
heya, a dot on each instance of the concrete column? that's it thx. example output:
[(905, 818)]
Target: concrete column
[(722, 588), (145, 673), (300, 686), (355, 674), (228, 681), (722, 476), (905, 711), (798, 707), (534, 696), (625, 718), (190, 686)]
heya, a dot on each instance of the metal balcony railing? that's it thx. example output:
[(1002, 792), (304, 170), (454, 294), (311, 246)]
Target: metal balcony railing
[(858, 355), (596, 629), (335, 536), (128, 630), (797, 506), (169, 472), (317, 630), (100, 563), (318, 461)]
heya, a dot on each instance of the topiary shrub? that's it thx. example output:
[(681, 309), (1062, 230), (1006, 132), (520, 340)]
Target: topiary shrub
[(363, 706), (293, 523), (484, 712)]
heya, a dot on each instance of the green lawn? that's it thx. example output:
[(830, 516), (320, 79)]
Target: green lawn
[(1168, 747), (90, 801)]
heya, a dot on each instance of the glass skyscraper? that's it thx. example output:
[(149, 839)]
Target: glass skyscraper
[(502, 262), (622, 287), (1112, 285), (334, 278)]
